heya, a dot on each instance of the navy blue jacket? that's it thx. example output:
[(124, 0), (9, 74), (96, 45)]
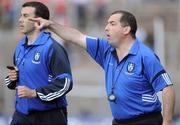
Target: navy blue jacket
[(43, 66)]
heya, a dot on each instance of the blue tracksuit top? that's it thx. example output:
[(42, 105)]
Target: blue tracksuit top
[(43, 66)]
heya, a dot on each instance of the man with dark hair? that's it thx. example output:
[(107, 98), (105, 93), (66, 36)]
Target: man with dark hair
[(134, 74), (40, 9), (41, 74), (128, 19)]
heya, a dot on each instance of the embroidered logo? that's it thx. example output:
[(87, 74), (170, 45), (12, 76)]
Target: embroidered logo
[(36, 59), (130, 67)]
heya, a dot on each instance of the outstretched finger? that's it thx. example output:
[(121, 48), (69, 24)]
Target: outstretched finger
[(34, 19)]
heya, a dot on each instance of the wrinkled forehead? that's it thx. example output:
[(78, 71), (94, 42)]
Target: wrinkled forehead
[(114, 18)]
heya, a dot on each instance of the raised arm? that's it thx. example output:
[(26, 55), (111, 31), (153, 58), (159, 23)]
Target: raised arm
[(66, 33)]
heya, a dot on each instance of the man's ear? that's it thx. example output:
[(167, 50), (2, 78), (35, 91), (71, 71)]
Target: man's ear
[(127, 30)]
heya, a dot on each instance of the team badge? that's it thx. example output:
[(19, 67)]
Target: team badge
[(37, 57), (130, 67)]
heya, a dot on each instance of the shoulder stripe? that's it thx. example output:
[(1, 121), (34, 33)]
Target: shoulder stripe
[(157, 75), (166, 78)]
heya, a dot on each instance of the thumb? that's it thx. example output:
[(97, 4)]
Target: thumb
[(16, 68), (20, 87), (16, 88), (38, 25)]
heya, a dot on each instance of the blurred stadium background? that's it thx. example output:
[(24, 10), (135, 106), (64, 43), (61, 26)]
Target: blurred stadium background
[(159, 27)]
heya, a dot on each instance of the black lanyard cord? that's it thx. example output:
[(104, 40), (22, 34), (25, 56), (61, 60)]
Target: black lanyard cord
[(113, 75), (22, 59)]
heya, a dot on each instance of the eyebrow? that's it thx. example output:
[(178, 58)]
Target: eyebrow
[(111, 21)]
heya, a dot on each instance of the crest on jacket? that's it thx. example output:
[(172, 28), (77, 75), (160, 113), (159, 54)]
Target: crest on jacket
[(130, 67), (36, 59)]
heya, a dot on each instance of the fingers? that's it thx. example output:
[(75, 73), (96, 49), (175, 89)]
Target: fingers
[(22, 91), (20, 87), (12, 72), (35, 19), (25, 92), (13, 75), (41, 23), (21, 94), (37, 22)]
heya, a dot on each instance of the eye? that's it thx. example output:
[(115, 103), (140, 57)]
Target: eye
[(112, 24), (26, 15)]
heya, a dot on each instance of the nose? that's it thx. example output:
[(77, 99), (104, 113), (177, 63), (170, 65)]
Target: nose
[(107, 28), (20, 20)]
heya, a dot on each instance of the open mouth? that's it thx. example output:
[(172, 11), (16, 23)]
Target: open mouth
[(108, 36)]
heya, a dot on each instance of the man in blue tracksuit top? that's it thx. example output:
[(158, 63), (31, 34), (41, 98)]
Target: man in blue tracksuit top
[(41, 76), (133, 72)]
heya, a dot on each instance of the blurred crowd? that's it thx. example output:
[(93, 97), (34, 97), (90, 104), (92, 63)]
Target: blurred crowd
[(83, 9)]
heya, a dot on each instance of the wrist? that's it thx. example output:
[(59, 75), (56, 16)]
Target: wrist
[(51, 24), (33, 93), (167, 122)]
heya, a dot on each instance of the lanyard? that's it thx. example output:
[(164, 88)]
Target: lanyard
[(113, 75), (22, 59)]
